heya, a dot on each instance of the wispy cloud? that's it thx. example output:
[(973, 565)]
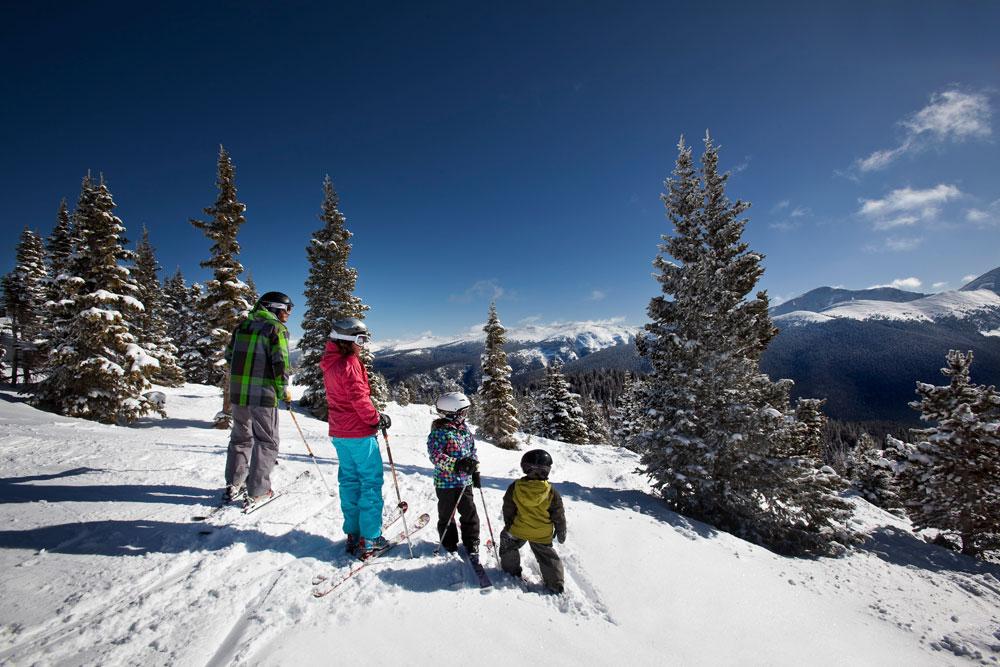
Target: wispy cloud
[(784, 226), (906, 207), (597, 295), (940, 286), (742, 166), (902, 283), (969, 278), (984, 217), (780, 206), (482, 290), (951, 116), (799, 211), (894, 244)]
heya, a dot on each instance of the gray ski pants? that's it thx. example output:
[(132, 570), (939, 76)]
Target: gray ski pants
[(545, 554), (253, 448)]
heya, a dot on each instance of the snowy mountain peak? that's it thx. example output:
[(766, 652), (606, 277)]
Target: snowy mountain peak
[(988, 281), (955, 304)]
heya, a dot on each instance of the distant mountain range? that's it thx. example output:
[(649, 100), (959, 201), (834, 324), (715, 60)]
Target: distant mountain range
[(864, 354), (862, 350), (529, 347)]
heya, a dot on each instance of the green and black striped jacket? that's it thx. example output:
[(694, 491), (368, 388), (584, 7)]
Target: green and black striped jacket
[(258, 361)]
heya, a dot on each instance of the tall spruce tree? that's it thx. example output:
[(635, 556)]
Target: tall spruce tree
[(559, 409), (24, 299), (951, 480), (150, 326), (722, 445), (227, 299), (872, 475), (186, 327), (596, 420), (96, 369), (628, 420), (330, 297), (496, 412), (60, 247)]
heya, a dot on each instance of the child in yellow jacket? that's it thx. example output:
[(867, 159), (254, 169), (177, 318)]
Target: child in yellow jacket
[(533, 513)]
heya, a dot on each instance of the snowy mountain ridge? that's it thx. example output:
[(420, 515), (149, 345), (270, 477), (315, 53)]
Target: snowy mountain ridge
[(956, 304), (589, 336)]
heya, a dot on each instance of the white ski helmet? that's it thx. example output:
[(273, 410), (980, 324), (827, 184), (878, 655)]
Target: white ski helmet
[(453, 404), (352, 329)]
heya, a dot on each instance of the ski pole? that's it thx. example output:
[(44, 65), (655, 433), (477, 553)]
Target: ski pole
[(395, 481), (489, 525), (309, 449), (451, 517)]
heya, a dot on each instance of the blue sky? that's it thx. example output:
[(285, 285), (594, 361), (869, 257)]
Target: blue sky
[(516, 152)]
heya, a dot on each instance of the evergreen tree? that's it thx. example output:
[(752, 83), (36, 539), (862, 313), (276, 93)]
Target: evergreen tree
[(628, 420), (497, 414), (722, 444), (951, 480), (24, 298), (96, 369), (150, 326), (402, 394), (60, 248), (873, 477), (596, 420), (559, 409), (187, 328), (330, 297), (227, 299)]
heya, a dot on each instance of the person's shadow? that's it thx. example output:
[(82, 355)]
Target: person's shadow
[(24, 490)]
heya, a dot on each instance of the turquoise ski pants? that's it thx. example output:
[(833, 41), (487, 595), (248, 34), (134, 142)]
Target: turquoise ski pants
[(360, 477)]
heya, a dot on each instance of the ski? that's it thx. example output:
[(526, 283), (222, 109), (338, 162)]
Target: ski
[(477, 568), (250, 507), (422, 521)]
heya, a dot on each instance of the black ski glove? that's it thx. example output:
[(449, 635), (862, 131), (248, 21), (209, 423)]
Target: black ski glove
[(384, 422), (561, 538), (466, 465), (476, 482)]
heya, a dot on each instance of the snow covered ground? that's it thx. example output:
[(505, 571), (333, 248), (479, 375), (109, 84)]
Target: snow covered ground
[(101, 564)]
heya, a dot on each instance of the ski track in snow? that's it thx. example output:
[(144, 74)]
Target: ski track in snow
[(102, 564)]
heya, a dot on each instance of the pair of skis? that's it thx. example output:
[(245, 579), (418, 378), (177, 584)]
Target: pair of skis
[(324, 585), (250, 507)]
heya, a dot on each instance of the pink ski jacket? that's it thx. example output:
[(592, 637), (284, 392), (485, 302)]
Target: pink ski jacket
[(348, 395)]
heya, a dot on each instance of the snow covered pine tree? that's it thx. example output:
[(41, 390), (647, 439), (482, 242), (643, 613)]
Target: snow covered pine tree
[(723, 446), (329, 297), (951, 479), (559, 409), (95, 368), (495, 410), (227, 298), (150, 327), (24, 298)]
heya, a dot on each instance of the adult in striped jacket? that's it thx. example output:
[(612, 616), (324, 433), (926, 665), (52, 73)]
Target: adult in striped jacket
[(258, 379)]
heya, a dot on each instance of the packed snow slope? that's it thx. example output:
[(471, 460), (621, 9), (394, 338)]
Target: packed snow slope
[(101, 564)]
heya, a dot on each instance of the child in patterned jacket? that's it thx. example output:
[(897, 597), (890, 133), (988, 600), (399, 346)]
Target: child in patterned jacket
[(452, 450)]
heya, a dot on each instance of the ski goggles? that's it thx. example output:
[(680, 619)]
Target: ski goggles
[(360, 339), (274, 305)]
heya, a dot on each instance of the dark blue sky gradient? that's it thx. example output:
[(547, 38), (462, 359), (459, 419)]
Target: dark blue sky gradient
[(522, 146)]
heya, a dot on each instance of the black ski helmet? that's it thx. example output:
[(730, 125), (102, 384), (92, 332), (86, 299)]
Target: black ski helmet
[(536, 461), (275, 302)]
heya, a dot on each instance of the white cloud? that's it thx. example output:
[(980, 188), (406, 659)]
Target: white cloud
[(924, 202), (953, 115), (939, 286), (741, 167), (902, 244), (799, 212), (976, 215), (901, 221), (902, 283), (785, 226), (969, 278), (487, 290), (780, 206), (984, 217), (950, 116), (597, 295)]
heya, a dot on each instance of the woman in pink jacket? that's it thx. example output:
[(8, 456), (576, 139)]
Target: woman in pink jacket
[(354, 422)]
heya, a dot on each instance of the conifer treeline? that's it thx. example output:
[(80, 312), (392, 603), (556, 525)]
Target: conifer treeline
[(94, 319)]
